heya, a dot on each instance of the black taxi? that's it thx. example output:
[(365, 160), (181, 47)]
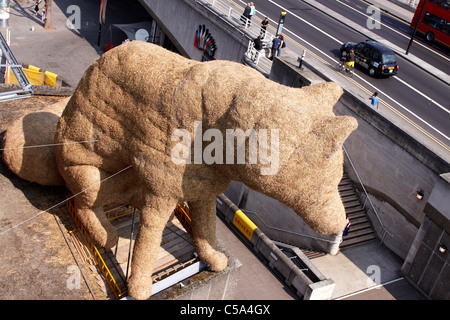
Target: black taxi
[(378, 59)]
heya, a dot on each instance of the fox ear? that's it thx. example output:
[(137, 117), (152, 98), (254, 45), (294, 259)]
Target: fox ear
[(331, 133), (325, 93)]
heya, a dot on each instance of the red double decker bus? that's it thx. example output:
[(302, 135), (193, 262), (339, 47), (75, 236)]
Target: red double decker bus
[(435, 21)]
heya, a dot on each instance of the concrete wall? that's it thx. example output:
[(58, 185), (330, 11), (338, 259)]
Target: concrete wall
[(426, 266), (393, 167), (308, 283), (391, 164), (179, 19), (278, 221)]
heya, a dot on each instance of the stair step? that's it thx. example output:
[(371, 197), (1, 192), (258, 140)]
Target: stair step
[(347, 193), (354, 210), (357, 241), (345, 184), (360, 226), (345, 189), (357, 233), (348, 198), (352, 204), (356, 215), (359, 220), (345, 179)]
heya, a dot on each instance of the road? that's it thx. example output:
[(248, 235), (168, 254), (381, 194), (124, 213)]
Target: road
[(414, 92), (390, 27)]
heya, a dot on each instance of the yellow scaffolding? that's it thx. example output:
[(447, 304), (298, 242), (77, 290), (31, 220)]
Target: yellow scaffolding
[(118, 293), (181, 212)]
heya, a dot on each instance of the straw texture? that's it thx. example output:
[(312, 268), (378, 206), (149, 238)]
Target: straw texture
[(137, 95), (28, 146)]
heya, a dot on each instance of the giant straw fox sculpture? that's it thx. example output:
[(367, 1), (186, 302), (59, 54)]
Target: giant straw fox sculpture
[(127, 111)]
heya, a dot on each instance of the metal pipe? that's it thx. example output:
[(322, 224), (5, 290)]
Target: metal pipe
[(364, 189), (73, 254), (131, 240)]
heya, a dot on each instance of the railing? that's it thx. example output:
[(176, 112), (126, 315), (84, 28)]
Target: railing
[(223, 8), (182, 213), (252, 29), (367, 197), (257, 58), (291, 232), (118, 293)]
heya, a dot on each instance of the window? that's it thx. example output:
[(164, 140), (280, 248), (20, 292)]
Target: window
[(388, 58), (436, 22), (442, 3), (376, 56)]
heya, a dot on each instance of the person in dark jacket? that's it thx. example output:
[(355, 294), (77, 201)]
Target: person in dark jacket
[(276, 42), (258, 43), (245, 17), (264, 25)]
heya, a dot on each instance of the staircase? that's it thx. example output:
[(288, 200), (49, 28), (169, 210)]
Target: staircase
[(361, 230)]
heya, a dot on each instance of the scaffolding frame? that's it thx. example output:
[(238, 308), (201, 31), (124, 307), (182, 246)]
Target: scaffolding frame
[(160, 281), (11, 62)]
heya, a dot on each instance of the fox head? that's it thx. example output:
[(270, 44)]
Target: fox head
[(306, 157)]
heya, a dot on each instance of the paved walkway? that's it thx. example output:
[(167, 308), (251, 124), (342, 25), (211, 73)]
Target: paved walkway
[(69, 52), (365, 272)]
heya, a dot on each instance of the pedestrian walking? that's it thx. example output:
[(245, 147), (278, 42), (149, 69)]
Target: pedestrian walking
[(276, 42), (264, 25), (36, 7), (374, 100), (282, 45), (347, 227), (245, 17), (43, 14)]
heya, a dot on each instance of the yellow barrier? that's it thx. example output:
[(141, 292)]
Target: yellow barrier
[(182, 213), (50, 79), (35, 77), (244, 224)]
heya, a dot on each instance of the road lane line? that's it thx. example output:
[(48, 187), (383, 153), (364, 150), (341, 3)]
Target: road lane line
[(405, 36), (368, 83), (422, 94)]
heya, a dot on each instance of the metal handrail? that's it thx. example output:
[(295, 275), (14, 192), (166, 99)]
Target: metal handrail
[(257, 58), (118, 293), (367, 196), (291, 232), (252, 29)]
